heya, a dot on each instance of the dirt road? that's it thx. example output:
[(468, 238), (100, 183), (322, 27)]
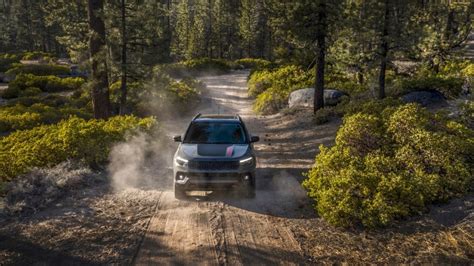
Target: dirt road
[(211, 229)]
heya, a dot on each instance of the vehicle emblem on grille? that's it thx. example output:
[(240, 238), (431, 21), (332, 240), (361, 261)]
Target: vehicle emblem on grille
[(229, 151)]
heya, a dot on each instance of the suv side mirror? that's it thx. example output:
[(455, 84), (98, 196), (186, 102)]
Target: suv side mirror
[(254, 139), (177, 138)]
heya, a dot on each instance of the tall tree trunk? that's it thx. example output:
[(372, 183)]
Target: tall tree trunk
[(360, 76), (448, 30), (210, 32), (448, 33), (168, 32), (321, 57), (270, 45), (123, 86), (249, 43), (384, 51), (97, 49), (219, 46)]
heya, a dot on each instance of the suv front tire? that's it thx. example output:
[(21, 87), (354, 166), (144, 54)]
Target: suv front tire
[(248, 189), (179, 193)]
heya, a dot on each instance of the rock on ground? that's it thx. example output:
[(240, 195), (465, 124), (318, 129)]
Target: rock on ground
[(425, 98), (305, 97)]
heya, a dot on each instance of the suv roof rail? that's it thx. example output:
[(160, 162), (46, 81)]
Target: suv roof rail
[(196, 116)]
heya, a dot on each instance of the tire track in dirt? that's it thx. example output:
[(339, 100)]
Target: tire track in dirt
[(221, 228)]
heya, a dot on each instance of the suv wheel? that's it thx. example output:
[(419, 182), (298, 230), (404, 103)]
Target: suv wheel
[(250, 193), (248, 190), (179, 193)]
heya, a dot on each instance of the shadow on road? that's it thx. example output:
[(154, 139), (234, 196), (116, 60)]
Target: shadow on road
[(279, 193), (246, 255)]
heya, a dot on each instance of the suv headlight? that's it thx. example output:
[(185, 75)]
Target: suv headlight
[(246, 161), (181, 161)]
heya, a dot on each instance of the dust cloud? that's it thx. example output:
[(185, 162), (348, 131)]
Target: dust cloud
[(141, 162), (286, 186), (145, 160), (279, 192)]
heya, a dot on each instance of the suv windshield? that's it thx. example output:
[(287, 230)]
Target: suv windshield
[(215, 133)]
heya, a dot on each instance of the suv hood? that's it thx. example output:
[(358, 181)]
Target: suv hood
[(214, 150)]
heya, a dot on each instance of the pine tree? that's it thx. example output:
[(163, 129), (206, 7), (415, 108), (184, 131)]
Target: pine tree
[(70, 23), (447, 26), (182, 29), (248, 26), (97, 48)]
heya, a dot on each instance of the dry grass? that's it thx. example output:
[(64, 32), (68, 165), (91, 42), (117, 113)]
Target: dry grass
[(41, 186)]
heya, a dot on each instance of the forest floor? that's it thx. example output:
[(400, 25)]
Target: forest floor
[(146, 225)]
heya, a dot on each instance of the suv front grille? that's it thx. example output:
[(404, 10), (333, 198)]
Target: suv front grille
[(214, 165)]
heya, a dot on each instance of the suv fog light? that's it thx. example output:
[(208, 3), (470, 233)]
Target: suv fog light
[(181, 177), (246, 178)]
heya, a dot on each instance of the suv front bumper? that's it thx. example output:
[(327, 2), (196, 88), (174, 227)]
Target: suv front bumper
[(200, 178)]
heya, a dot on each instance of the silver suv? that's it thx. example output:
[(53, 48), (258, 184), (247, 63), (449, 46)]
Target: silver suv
[(215, 153)]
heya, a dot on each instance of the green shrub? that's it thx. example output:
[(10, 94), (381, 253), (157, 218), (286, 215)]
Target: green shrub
[(30, 91), (207, 64), (7, 60), (371, 106), (160, 96), (21, 117), (435, 149), (26, 101), (466, 115), (388, 166), (273, 87), (44, 83), (55, 100), (323, 115), (11, 92), (25, 120), (165, 96), (62, 84), (39, 70), (270, 101), (134, 90), (182, 92), (349, 87), (468, 70), (254, 63), (52, 100), (259, 81), (37, 55), (88, 141), (456, 68), (196, 67), (361, 133), (468, 73), (194, 83)]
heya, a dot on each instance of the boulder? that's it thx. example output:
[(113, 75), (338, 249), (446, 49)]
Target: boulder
[(5, 78), (333, 97), (425, 98), (305, 97)]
